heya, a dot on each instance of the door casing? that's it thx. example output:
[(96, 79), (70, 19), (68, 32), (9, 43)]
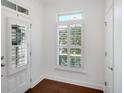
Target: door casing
[(109, 51)]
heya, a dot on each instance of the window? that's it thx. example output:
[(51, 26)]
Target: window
[(23, 10), (70, 41), (15, 7), (76, 16), (8, 4)]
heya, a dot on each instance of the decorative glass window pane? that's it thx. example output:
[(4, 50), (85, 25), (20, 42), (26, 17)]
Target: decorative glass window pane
[(75, 35), (76, 16), (8, 4), (75, 51), (75, 57), (23, 10), (75, 61), (63, 56), (63, 60), (69, 17), (64, 18), (63, 51), (63, 35)]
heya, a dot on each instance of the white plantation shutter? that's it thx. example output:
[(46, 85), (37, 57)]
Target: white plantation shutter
[(18, 45), (17, 40)]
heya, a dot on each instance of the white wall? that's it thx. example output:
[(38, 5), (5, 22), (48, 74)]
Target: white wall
[(93, 43), (37, 67), (117, 46), (37, 29)]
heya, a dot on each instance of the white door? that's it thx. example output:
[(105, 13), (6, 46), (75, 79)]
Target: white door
[(16, 51), (109, 52)]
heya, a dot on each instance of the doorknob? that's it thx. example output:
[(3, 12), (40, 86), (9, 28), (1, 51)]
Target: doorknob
[(3, 65), (110, 68), (1, 75), (2, 58)]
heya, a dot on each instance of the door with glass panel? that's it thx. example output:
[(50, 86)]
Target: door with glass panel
[(18, 66), (16, 76)]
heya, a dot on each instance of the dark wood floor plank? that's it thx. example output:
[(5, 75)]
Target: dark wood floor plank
[(50, 86)]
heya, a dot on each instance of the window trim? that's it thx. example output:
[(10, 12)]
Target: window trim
[(68, 23)]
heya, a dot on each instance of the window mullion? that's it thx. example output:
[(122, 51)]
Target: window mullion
[(68, 45), (82, 44)]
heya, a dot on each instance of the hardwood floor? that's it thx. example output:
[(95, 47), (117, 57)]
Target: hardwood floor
[(50, 86)]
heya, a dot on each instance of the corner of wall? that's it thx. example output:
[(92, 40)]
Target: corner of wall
[(34, 83)]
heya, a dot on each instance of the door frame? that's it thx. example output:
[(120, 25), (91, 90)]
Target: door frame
[(106, 14)]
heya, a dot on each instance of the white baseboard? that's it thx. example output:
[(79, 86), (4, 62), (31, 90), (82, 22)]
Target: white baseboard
[(66, 80), (34, 83), (80, 83)]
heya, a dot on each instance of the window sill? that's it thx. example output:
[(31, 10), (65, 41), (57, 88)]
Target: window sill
[(76, 70)]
